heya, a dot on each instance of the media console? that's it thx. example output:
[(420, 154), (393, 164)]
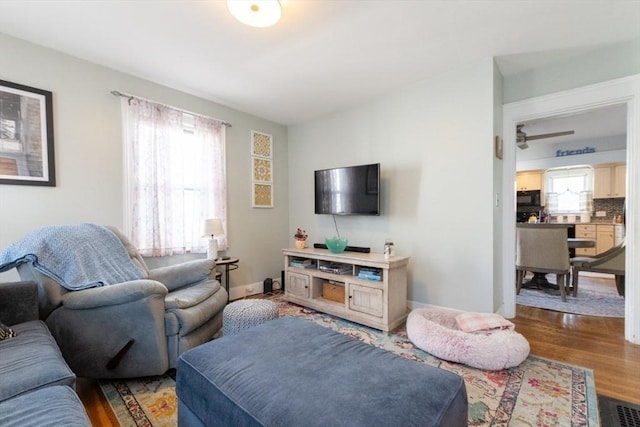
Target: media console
[(365, 288)]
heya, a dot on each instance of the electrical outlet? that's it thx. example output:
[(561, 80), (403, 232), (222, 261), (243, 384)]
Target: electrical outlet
[(601, 213)]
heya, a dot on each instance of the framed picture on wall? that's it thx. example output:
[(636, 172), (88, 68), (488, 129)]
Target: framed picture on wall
[(26, 135)]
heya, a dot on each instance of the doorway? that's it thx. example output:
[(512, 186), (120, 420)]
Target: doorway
[(560, 158), (622, 91)]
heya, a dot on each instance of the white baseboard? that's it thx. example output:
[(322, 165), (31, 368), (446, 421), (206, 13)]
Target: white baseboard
[(239, 292), (413, 305)]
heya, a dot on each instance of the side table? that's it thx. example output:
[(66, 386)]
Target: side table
[(229, 264)]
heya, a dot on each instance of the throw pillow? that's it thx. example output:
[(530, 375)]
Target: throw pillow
[(473, 322), (6, 332)]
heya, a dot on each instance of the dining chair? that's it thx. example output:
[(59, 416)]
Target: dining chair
[(610, 261), (543, 248)]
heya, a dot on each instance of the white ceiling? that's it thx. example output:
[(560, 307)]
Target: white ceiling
[(597, 123), (323, 56)]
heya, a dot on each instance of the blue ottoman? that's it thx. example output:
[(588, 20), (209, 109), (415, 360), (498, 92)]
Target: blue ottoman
[(292, 372)]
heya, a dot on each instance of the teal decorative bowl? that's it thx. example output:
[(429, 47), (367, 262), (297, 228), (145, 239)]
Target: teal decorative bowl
[(336, 245)]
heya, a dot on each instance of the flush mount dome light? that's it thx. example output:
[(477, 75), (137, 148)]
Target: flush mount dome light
[(256, 13)]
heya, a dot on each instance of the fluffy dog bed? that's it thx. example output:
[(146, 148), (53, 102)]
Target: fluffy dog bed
[(436, 331)]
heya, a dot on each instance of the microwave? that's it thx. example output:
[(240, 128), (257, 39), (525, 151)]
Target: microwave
[(528, 199)]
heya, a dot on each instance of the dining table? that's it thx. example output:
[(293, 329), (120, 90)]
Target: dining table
[(579, 242)]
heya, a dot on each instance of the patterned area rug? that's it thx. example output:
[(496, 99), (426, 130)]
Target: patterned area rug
[(592, 300), (539, 392)]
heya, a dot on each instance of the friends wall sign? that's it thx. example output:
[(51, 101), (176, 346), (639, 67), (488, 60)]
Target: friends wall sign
[(585, 150)]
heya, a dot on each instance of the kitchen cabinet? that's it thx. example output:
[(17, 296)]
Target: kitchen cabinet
[(530, 180), (605, 235), (586, 231), (375, 287), (609, 180)]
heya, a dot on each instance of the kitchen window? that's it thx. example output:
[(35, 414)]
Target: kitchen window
[(569, 190)]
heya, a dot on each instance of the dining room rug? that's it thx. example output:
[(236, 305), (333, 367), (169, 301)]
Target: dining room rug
[(592, 300), (538, 392)]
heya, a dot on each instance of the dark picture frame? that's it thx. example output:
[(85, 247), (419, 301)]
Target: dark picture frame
[(26, 135)]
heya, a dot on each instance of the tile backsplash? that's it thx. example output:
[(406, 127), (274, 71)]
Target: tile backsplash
[(612, 207)]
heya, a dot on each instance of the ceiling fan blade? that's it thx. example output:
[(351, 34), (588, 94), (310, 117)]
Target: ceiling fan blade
[(549, 135)]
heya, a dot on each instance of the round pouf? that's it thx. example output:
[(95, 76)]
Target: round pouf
[(247, 313)]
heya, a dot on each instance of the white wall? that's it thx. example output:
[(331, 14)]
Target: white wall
[(434, 140), (601, 64), (88, 150)]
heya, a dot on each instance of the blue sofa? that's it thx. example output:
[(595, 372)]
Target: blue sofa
[(37, 387)]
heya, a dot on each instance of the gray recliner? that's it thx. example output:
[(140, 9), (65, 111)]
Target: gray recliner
[(135, 328)]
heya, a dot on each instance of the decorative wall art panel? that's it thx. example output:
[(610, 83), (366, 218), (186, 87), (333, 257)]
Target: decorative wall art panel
[(262, 195), (261, 144), (261, 170)]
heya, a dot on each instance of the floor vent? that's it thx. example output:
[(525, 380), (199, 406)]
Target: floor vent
[(628, 417), (617, 413)]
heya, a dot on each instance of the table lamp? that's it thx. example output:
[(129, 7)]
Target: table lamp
[(212, 227)]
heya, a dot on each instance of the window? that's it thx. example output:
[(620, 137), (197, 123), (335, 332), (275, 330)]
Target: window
[(569, 190), (175, 177)]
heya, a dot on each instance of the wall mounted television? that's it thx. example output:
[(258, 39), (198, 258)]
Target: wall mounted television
[(352, 190)]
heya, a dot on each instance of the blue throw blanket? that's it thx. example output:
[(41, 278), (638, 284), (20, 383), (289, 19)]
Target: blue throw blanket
[(76, 256)]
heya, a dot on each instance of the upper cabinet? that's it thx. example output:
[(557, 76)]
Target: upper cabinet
[(530, 180), (609, 180)]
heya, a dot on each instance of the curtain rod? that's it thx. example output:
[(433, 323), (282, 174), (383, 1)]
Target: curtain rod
[(131, 98)]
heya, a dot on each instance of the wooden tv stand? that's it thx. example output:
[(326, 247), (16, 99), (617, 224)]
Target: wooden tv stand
[(380, 304)]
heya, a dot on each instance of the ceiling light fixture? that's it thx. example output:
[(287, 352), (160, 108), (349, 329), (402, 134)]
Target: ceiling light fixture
[(256, 13)]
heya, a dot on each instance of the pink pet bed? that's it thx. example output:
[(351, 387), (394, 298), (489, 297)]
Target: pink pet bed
[(436, 331)]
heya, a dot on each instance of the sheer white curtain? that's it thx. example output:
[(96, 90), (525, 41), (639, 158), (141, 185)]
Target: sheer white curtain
[(176, 177), (569, 190)]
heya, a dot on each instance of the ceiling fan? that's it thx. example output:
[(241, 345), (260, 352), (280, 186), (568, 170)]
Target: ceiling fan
[(522, 138)]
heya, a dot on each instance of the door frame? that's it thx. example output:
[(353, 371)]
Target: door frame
[(620, 91)]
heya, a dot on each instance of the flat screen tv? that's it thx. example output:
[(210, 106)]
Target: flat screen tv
[(352, 190)]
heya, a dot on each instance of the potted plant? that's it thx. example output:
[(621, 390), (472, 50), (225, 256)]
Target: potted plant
[(301, 238)]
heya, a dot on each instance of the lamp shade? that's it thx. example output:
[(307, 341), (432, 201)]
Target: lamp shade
[(212, 227), (256, 13)]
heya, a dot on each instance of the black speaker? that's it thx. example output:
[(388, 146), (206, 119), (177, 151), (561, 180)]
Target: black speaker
[(282, 280), (268, 286)]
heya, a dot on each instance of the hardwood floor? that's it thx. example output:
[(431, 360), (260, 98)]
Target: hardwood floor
[(95, 403), (593, 342)]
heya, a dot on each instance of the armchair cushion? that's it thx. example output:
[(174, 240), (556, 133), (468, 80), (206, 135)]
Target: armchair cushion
[(193, 295), (118, 294), (186, 273)]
